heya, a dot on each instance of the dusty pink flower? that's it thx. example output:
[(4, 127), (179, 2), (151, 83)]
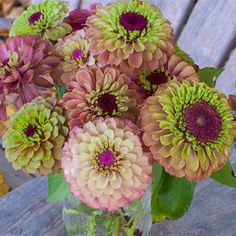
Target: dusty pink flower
[(105, 164), (101, 92), (25, 62), (74, 53), (78, 17)]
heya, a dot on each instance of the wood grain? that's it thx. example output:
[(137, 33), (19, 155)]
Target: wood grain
[(5, 23), (175, 11), (12, 177), (227, 81), (72, 3), (25, 212), (210, 31)]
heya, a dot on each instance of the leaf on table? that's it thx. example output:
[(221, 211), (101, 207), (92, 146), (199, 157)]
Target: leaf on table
[(225, 176), (171, 196), (208, 75), (58, 188)]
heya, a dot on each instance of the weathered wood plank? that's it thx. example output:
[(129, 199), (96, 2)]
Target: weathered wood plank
[(72, 3), (87, 3), (5, 23), (12, 177), (175, 11), (210, 32), (227, 81), (25, 212)]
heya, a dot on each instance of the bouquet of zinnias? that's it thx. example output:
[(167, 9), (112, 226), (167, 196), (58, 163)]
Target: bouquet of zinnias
[(103, 101)]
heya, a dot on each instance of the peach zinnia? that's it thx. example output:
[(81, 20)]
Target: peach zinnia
[(105, 164)]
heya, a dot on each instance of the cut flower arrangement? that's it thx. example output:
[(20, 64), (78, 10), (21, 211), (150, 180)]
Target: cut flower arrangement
[(120, 119)]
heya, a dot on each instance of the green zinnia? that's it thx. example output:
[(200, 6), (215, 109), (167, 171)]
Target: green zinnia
[(35, 137), (42, 20), (189, 128)]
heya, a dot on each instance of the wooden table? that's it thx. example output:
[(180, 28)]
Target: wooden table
[(206, 29)]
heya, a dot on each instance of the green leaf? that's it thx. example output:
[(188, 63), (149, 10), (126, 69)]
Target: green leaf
[(61, 90), (225, 176), (171, 196), (184, 56), (58, 188), (209, 75)]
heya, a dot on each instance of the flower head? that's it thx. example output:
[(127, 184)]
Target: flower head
[(105, 164), (132, 35), (35, 137), (96, 92), (74, 51), (78, 17), (40, 19), (175, 67), (189, 128), (24, 63)]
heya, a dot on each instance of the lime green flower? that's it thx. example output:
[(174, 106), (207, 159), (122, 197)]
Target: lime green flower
[(42, 20), (189, 128), (35, 137)]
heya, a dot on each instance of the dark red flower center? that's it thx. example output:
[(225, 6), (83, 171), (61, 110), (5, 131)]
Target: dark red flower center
[(106, 158), (157, 77), (107, 102), (203, 121), (133, 21), (5, 62), (77, 54), (30, 130), (34, 18)]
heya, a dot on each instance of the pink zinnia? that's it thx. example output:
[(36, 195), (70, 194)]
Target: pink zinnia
[(105, 164), (25, 62), (78, 17), (101, 93)]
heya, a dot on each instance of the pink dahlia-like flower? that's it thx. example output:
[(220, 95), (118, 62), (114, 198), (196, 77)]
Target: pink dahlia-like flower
[(101, 92), (25, 62), (130, 34), (78, 17), (105, 164), (74, 52), (175, 67)]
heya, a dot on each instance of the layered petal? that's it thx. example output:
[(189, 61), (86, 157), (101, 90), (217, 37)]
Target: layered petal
[(189, 128), (35, 137), (103, 167)]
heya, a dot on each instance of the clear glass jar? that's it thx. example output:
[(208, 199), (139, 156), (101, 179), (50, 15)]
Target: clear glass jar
[(135, 219)]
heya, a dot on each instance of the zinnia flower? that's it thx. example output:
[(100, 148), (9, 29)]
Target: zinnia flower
[(4, 188), (35, 137), (189, 129), (74, 51), (132, 34), (42, 20), (175, 67), (24, 63), (100, 92), (78, 17), (105, 165)]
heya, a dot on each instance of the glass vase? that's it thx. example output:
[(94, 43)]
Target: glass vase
[(81, 220)]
